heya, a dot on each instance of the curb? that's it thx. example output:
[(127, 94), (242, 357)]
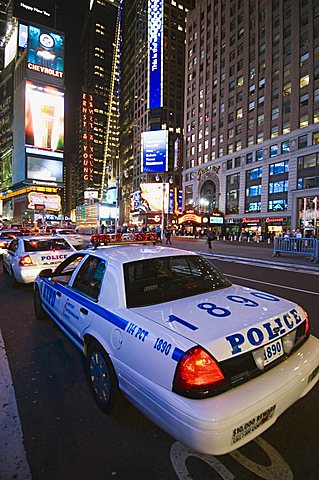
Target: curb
[(265, 262)]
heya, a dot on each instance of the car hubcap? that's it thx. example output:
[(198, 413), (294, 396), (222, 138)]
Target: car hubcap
[(100, 377)]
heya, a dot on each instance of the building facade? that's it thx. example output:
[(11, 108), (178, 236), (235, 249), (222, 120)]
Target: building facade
[(252, 115), (98, 131), (32, 115), (152, 100)]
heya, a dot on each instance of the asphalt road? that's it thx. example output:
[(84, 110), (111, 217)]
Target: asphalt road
[(66, 437)]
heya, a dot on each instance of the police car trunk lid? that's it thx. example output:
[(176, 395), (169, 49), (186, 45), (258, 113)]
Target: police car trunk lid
[(228, 322)]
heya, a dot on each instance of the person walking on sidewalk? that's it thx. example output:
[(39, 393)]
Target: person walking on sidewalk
[(168, 234), (210, 238)]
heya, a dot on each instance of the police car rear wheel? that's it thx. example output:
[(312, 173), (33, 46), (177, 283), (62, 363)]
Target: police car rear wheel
[(39, 311), (14, 281), (102, 378)]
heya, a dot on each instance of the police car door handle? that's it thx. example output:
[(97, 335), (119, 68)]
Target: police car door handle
[(84, 311), (58, 294)]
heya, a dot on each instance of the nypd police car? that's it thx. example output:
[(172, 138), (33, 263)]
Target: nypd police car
[(212, 363), (26, 256)]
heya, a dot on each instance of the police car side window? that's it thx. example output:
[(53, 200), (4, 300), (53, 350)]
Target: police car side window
[(90, 276), (65, 270), (13, 246)]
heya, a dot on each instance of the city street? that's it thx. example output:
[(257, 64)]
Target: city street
[(67, 437)]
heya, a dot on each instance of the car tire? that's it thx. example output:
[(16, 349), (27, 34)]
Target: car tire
[(40, 313), (101, 377), (14, 281)]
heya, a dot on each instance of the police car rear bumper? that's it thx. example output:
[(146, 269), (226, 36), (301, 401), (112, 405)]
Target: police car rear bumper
[(224, 423)]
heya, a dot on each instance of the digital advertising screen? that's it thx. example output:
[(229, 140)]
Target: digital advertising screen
[(154, 151), (151, 199), (44, 169), (155, 56), (45, 54), (37, 11), (44, 120)]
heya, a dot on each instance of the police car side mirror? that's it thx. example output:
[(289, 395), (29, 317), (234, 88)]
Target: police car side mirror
[(46, 273)]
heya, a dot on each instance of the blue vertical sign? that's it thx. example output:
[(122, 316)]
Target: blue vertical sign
[(155, 48), (154, 151)]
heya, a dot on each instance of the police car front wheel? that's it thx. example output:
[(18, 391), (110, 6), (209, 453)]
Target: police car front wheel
[(101, 377)]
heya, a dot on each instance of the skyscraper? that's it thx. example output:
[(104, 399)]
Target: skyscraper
[(152, 100), (98, 133), (252, 114)]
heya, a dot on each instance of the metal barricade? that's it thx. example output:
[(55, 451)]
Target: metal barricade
[(297, 246)]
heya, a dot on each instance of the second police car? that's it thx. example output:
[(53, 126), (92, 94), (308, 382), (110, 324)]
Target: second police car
[(26, 256), (212, 363)]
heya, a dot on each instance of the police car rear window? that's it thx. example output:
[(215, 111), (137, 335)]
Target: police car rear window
[(158, 280), (35, 245)]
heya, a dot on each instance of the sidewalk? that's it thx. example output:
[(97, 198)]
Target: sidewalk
[(249, 251)]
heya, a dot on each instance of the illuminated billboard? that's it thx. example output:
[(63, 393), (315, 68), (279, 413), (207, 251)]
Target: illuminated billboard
[(37, 11), (151, 199), (154, 151), (45, 54), (44, 169), (155, 56), (44, 120)]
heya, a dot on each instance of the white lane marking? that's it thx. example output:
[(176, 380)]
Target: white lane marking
[(272, 284), (13, 460)]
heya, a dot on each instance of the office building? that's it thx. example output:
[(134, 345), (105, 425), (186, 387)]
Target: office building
[(151, 109), (252, 115), (98, 132)]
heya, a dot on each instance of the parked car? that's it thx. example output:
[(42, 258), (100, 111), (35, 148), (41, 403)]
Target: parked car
[(212, 363), (26, 256), (71, 235), (6, 237)]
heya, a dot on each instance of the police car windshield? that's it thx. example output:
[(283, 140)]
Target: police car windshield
[(158, 280), (37, 245)]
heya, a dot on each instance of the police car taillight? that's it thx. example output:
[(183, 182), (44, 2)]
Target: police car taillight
[(26, 260), (198, 375), (2, 244), (307, 327)]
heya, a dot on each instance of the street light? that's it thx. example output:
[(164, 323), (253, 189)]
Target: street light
[(170, 181)]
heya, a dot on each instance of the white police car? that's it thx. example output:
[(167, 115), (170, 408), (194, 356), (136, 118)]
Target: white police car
[(6, 237), (26, 256), (71, 236), (213, 364)]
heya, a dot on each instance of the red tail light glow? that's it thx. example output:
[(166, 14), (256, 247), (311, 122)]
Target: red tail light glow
[(2, 244), (26, 260), (198, 375), (307, 327)]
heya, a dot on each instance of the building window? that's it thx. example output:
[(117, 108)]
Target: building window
[(315, 138), (254, 173), (287, 88), (277, 205), (304, 81), (286, 127), (278, 168), (239, 113), (302, 141), (304, 100), (303, 121), (249, 158), (274, 131), (285, 147), (260, 137), (237, 162), (308, 161), (273, 150), (250, 141), (259, 154), (279, 186), (229, 164)]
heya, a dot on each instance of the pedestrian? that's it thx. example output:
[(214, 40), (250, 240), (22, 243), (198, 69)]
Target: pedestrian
[(168, 236), (209, 239), (158, 233)]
